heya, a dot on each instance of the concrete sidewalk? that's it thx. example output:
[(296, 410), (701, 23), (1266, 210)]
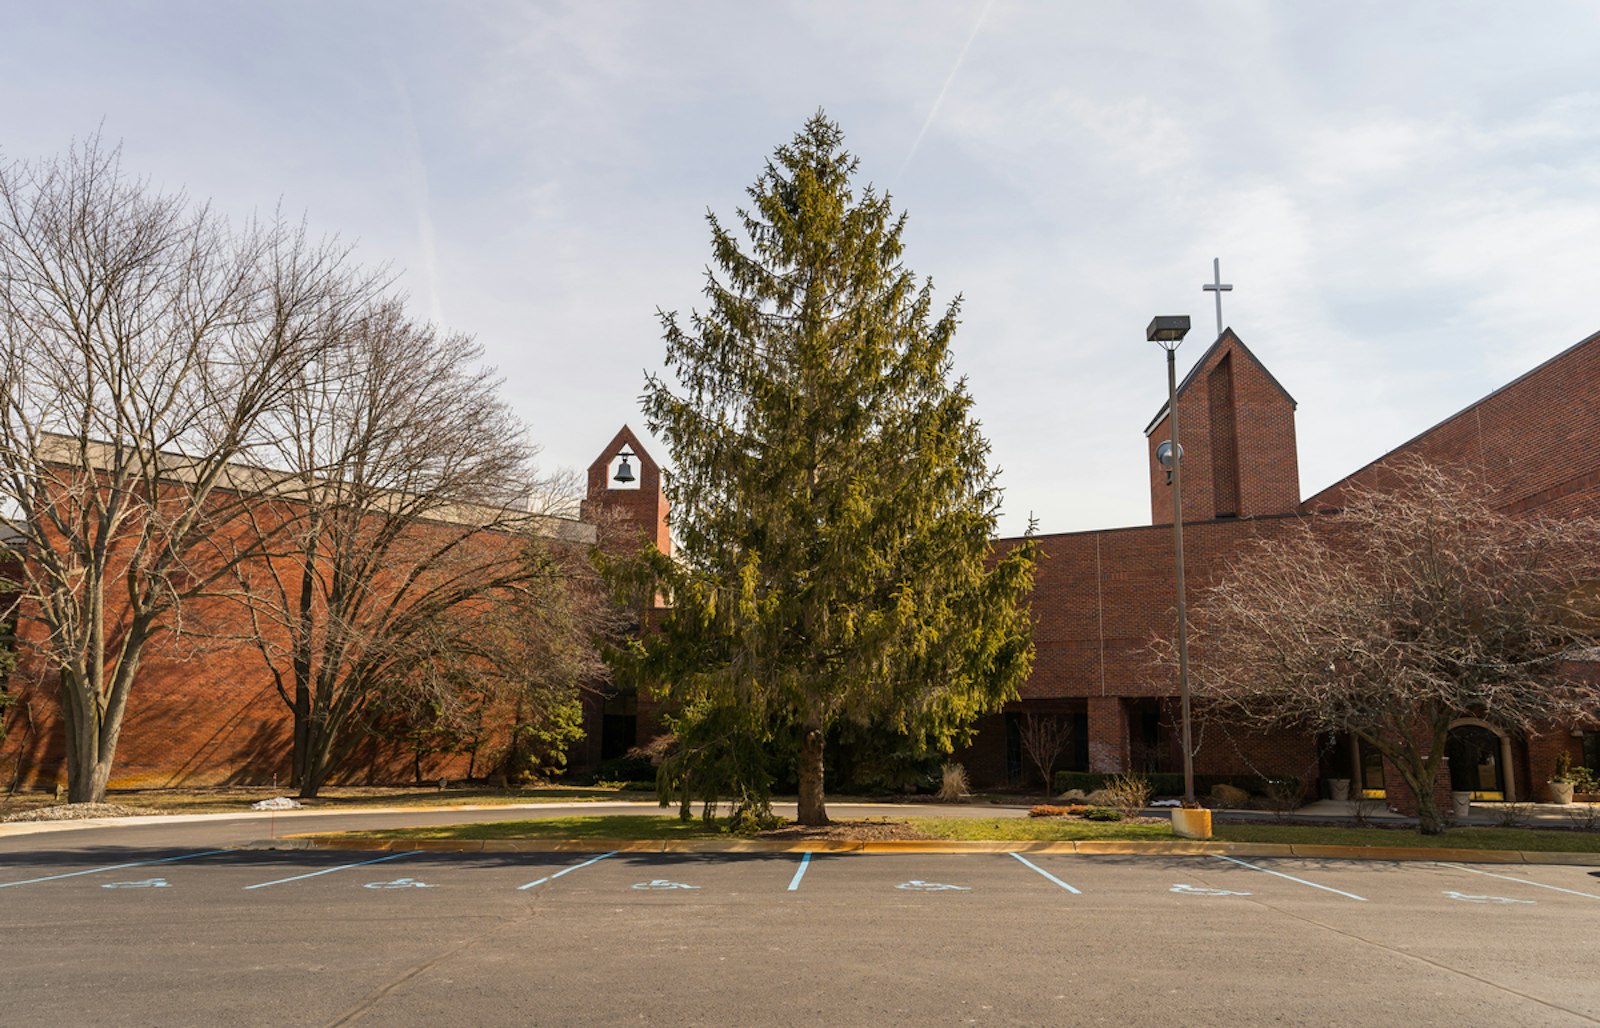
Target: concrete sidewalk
[(1484, 815)]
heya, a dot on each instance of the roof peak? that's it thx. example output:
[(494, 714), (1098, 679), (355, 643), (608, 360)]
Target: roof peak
[(1228, 336)]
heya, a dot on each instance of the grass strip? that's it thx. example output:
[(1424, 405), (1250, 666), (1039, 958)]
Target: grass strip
[(1526, 839), (621, 827)]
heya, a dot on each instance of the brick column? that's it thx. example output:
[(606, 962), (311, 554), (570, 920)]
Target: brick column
[(1108, 734)]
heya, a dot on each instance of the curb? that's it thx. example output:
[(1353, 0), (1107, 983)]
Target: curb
[(1086, 847)]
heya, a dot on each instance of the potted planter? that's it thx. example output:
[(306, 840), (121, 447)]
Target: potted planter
[(1339, 789), (1191, 822), (1561, 781), (1461, 804)]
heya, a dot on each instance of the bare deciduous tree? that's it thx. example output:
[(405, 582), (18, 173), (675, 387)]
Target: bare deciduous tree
[(141, 343), (1044, 736), (1414, 607), (508, 669), (411, 507)]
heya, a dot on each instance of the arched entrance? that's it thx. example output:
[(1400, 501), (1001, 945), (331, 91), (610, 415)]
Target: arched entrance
[(1479, 758)]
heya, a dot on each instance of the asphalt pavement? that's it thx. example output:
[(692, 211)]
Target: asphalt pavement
[(164, 924)]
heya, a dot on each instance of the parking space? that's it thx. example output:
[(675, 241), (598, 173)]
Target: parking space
[(315, 936), (1022, 877)]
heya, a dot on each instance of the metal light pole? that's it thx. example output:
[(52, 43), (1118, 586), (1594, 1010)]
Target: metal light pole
[(1168, 330)]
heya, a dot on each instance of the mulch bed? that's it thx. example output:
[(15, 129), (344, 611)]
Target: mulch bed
[(867, 830)]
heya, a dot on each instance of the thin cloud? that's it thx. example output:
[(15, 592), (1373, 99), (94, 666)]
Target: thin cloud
[(938, 101)]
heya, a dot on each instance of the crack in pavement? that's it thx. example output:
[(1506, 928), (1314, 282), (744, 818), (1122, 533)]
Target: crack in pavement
[(1420, 958), (378, 995)]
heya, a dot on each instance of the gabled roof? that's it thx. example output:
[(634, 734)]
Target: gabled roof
[(1205, 358), (625, 437)]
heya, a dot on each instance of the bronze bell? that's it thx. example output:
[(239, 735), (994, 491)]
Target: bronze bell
[(624, 473)]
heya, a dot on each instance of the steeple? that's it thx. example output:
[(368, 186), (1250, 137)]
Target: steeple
[(1240, 458)]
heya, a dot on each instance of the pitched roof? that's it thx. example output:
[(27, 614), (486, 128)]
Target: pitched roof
[(1227, 335), (624, 437)]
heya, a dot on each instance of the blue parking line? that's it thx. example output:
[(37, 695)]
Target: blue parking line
[(1047, 874), (1521, 881), (794, 883), (1292, 878), (566, 870), (113, 867), (331, 870)]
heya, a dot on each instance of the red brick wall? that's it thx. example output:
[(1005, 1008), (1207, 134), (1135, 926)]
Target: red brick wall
[(1534, 441), (1267, 469), (630, 515)]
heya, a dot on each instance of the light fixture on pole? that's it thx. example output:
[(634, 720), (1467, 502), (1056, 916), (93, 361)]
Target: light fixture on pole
[(1168, 330)]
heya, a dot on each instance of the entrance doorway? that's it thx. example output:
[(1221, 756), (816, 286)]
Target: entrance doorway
[(1475, 753)]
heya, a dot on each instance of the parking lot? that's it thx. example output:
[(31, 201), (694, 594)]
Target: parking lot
[(166, 935)]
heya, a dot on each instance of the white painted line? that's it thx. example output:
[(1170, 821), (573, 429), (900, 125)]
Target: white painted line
[(794, 883), (331, 870), (1292, 878), (113, 867), (1521, 881), (567, 870), (1047, 874)]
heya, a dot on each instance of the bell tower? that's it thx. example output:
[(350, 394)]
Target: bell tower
[(624, 497)]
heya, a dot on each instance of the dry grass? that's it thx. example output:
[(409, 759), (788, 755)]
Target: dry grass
[(228, 799)]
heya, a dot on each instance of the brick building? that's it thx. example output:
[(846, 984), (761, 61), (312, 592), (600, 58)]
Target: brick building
[(206, 708), (1101, 596)]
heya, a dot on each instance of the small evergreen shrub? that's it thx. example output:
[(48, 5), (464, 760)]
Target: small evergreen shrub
[(1101, 814)]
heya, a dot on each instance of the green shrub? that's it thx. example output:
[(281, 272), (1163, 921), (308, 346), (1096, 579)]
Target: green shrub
[(1101, 814)]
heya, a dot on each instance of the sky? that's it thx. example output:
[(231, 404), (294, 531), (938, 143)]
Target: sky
[(1403, 196)]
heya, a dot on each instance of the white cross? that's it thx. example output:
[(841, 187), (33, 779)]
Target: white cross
[(1216, 286)]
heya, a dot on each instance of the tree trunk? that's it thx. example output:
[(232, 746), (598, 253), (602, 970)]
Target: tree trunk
[(1430, 821), (812, 811)]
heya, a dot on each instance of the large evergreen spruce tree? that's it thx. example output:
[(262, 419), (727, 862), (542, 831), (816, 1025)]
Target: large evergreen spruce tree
[(832, 501)]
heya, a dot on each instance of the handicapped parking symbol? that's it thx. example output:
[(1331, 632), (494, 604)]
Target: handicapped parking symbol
[(662, 883), (398, 883), (1197, 890), (1482, 899), (918, 885), (148, 883)]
